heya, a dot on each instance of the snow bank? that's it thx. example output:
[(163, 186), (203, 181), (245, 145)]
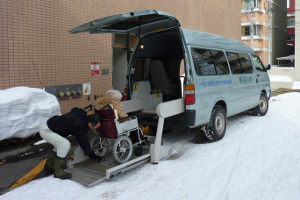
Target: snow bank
[(278, 78), (296, 85), (23, 110)]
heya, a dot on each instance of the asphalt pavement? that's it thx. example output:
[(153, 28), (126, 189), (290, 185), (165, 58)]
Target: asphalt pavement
[(21, 165)]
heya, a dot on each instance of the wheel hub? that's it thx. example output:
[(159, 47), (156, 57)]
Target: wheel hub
[(219, 123)]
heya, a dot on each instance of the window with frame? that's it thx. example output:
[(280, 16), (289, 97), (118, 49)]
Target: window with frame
[(246, 31), (247, 4), (245, 63), (234, 63), (220, 62), (291, 37), (291, 21), (209, 62), (258, 64), (256, 30)]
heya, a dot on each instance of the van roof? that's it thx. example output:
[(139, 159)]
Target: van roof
[(211, 41)]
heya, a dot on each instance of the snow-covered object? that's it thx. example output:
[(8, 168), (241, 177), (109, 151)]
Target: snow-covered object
[(23, 110)]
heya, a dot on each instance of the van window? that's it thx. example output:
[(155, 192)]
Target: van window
[(239, 63), (258, 64), (220, 62), (245, 63), (234, 63), (209, 62)]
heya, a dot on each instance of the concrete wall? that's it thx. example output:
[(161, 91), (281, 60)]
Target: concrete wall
[(282, 77)]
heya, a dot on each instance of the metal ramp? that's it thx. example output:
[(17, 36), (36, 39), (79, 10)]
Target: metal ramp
[(90, 173)]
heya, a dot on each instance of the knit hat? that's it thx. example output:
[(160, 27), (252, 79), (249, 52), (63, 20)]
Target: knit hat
[(114, 93)]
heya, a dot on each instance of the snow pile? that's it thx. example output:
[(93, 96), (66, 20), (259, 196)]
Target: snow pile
[(23, 110)]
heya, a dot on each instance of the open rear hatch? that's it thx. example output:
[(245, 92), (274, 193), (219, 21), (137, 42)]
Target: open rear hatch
[(138, 23)]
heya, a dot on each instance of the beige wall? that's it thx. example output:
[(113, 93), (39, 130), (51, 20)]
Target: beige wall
[(35, 33)]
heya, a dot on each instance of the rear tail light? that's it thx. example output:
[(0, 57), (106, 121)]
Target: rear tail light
[(189, 94), (125, 95)]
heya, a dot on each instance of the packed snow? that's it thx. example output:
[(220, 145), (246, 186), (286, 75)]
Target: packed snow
[(258, 159), (23, 110)]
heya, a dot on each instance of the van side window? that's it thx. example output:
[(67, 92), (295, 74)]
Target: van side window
[(258, 64), (246, 63), (234, 63), (220, 62), (209, 62)]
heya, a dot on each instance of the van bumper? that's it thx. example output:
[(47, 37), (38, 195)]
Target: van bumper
[(184, 119)]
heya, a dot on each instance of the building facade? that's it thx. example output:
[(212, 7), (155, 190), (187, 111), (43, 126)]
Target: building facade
[(37, 49), (259, 18), (297, 42), (291, 23), (257, 12)]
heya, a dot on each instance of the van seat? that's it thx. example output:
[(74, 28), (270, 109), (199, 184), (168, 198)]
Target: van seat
[(159, 76)]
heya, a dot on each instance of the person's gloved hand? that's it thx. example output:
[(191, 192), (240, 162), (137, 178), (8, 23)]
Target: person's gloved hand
[(92, 155)]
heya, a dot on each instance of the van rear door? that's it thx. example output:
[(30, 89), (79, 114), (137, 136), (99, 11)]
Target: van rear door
[(138, 23)]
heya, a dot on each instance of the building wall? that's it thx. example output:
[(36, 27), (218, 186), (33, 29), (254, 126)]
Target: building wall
[(37, 50), (290, 27), (279, 40), (297, 42)]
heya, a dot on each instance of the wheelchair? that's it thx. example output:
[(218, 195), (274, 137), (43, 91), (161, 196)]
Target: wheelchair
[(118, 135)]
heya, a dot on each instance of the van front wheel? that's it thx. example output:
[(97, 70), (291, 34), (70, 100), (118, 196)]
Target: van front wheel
[(216, 128), (263, 105)]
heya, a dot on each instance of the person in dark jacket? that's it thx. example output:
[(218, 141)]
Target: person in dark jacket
[(57, 128)]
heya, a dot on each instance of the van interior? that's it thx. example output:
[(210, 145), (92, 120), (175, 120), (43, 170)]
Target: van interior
[(159, 60)]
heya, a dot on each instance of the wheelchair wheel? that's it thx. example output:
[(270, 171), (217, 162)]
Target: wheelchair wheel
[(122, 149), (99, 145)]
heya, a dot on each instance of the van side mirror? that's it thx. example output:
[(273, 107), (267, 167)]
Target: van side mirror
[(268, 67)]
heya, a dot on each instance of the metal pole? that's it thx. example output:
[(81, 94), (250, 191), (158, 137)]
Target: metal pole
[(270, 29), (251, 29)]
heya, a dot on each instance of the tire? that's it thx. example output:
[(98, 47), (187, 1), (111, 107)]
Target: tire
[(122, 150), (99, 145), (138, 150), (263, 105), (216, 128)]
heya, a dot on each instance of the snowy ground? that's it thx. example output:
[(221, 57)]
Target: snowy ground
[(259, 159)]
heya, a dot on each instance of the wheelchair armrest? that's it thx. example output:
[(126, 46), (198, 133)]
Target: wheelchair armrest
[(107, 106), (126, 118), (89, 108)]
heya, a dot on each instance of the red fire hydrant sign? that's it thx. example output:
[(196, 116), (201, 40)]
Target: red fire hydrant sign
[(95, 68)]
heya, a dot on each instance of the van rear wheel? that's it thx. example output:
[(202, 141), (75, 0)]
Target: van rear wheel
[(216, 128)]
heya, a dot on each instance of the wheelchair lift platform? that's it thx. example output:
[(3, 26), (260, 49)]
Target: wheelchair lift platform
[(90, 173)]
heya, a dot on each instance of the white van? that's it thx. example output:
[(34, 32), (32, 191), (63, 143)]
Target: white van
[(217, 76)]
